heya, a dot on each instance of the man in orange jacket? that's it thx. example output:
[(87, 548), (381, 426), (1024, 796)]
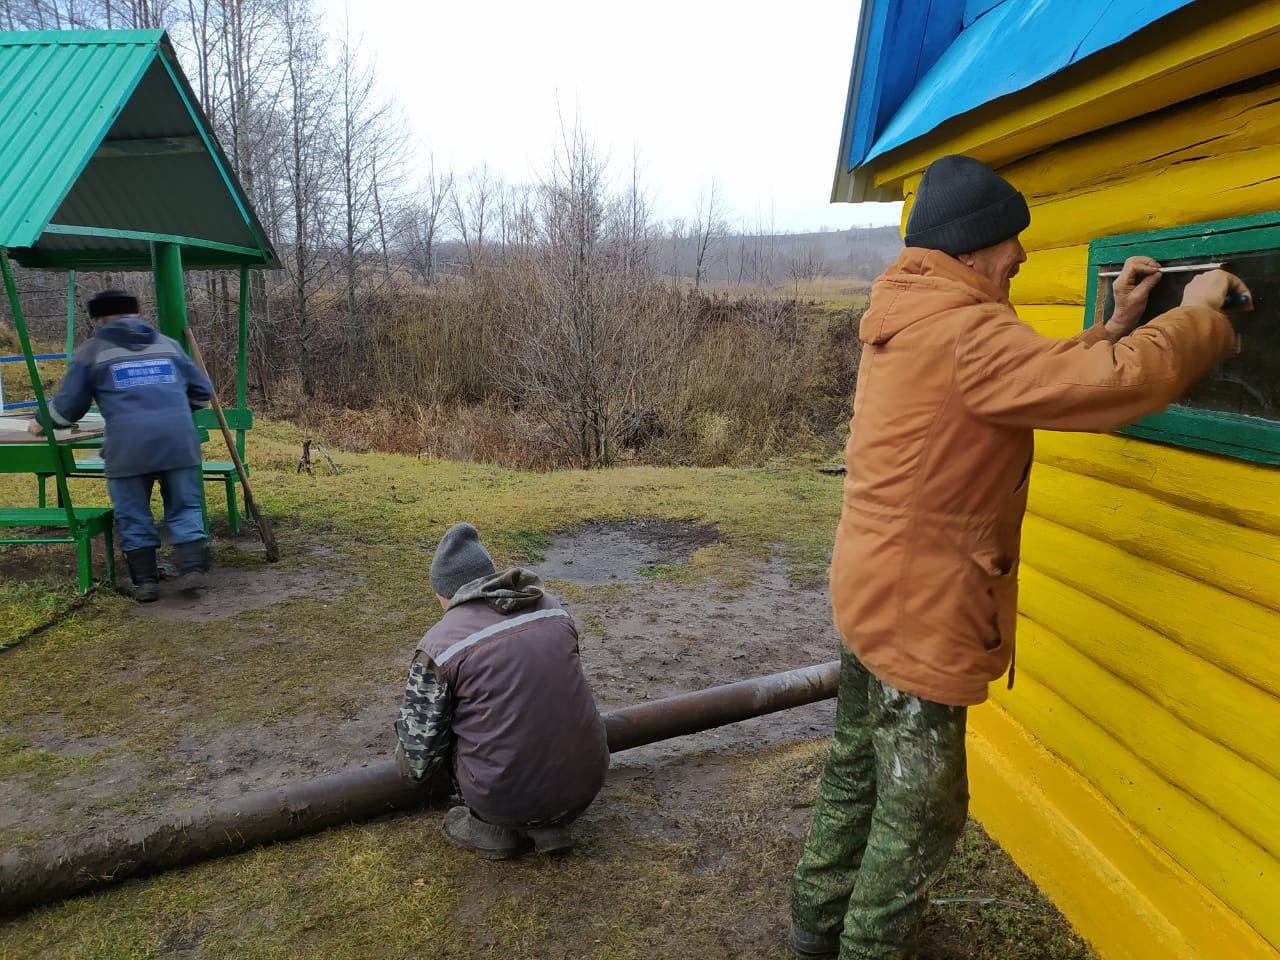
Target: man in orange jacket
[(924, 574)]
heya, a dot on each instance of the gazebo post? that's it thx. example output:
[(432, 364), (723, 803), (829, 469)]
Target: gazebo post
[(171, 298), (171, 312), (71, 314), (242, 355), (37, 390)]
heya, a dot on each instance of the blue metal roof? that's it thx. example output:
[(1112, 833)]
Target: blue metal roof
[(919, 63)]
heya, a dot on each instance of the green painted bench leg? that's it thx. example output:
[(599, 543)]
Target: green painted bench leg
[(204, 511), (84, 559), (43, 498), (233, 511), (108, 538)]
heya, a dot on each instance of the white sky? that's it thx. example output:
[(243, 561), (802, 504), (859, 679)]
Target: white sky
[(748, 93)]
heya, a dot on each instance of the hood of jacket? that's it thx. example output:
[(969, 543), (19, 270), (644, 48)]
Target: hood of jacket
[(935, 283), (127, 332), (508, 591)]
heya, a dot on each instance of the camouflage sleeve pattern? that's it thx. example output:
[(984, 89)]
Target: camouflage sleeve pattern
[(423, 721)]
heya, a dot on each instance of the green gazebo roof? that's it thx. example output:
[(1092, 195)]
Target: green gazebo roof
[(106, 150)]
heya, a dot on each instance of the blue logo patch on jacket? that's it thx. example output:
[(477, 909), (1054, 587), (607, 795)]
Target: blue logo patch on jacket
[(139, 373)]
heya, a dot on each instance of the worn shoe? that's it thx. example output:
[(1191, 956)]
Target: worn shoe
[(486, 840), (193, 564), (144, 574), (813, 946), (550, 840)]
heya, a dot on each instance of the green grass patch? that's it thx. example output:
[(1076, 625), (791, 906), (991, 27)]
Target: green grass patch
[(26, 606), (37, 769), (395, 889)]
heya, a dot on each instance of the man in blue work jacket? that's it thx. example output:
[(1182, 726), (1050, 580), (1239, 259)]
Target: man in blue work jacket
[(145, 387)]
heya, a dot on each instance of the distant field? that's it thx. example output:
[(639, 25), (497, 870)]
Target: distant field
[(836, 291)]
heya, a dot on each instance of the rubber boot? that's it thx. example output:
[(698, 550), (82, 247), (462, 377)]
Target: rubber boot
[(487, 840), (144, 574), (813, 946), (193, 565), (550, 840)]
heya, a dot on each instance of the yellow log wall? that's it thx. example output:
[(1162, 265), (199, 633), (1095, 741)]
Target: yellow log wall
[(1134, 769)]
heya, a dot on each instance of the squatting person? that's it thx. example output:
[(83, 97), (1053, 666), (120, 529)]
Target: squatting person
[(496, 693), (145, 387), (925, 568)]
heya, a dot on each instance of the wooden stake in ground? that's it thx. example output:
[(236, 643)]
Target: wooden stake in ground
[(264, 526)]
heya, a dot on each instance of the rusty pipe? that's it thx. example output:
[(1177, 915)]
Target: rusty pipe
[(687, 713), (56, 869)]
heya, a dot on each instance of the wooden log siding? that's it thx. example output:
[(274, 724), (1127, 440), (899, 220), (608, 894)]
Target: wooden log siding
[(1210, 849), (1207, 698), (1127, 896), (1235, 788), (1232, 634), (1149, 655)]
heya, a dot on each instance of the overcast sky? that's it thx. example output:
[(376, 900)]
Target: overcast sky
[(746, 93)]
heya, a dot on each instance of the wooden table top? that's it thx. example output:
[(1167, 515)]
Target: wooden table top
[(14, 430)]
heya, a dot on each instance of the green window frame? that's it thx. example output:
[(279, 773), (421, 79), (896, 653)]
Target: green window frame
[(1231, 434)]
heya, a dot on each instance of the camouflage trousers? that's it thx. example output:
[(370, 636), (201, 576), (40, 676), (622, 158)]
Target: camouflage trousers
[(891, 804)]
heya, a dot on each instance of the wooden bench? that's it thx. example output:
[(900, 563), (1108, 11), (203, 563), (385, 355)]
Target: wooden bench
[(213, 471), (81, 524)]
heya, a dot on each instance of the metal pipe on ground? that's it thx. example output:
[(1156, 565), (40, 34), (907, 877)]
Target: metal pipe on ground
[(56, 869)]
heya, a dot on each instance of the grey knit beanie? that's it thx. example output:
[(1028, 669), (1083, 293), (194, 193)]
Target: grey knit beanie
[(963, 205), (459, 559)]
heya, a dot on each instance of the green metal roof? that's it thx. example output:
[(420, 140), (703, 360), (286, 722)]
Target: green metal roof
[(105, 150)]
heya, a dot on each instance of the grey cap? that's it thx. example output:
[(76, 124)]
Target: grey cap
[(962, 205), (460, 558)]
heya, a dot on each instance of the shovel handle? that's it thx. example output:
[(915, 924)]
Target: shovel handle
[(264, 526)]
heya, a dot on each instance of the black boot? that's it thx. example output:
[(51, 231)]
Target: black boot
[(487, 840), (193, 564), (144, 574)]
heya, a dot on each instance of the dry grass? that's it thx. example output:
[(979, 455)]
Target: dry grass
[(759, 374), (487, 432)]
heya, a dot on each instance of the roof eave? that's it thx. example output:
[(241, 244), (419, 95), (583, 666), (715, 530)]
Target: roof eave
[(170, 58), (840, 188)]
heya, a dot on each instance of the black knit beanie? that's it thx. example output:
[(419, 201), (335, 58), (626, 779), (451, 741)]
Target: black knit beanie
[(110, 303), (963, 205)]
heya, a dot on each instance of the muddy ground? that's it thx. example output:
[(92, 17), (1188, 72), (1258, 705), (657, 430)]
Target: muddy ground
[(647, 629), (642, 637)]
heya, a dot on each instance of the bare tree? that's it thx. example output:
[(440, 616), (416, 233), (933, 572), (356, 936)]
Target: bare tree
[(426, 219), (708, 228), (806, 265), (370, 145), (306, 168), (584, 348), (473, 212)]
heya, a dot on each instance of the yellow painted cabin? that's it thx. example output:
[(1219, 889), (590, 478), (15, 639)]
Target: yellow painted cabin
[(1134, 769)]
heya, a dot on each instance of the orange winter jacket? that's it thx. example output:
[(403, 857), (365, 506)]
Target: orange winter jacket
[(924, 578)]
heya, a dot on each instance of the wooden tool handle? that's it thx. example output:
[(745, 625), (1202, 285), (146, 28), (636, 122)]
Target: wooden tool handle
[(264, 526)]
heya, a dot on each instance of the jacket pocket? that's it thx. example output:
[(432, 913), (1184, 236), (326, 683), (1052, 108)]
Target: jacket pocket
[(995, 583)]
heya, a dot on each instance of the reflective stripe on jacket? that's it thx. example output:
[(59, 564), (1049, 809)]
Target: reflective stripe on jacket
[(529, 743)]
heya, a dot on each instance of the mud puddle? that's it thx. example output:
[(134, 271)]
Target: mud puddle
[(601, 552)]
